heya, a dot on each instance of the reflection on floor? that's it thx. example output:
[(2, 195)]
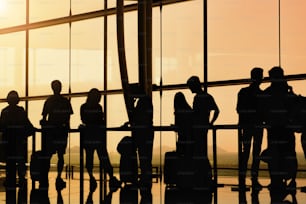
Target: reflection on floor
[(129, 194)]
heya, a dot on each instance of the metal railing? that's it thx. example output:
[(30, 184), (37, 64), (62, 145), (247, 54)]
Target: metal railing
[(171, 128)]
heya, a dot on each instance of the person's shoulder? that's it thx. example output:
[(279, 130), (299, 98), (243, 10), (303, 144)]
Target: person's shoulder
[(5, 109), (207, 95), (267, 90), (244, 90), (20, 108), (64, 98), (51, 99)]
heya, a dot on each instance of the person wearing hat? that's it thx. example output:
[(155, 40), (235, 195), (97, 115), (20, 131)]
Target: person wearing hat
[(250, 125)]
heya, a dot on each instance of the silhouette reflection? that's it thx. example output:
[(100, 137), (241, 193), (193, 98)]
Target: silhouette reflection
[(38, 196), (22, 195), (129, 194), (175, 196), (59, 197)]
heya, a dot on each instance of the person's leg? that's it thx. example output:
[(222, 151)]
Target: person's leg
[(200, 141), (21, 168), (61, 145), (89, 160), (10, 182), (246, 136), (60, 164), (144, 141), (114, 183), (303, 141), (257, 142), (277, 185), (89, 166), (104, 158)]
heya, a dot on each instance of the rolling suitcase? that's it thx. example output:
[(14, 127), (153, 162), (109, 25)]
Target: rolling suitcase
[(187, 172), (128, 167), (129, 195), (194, 173), (170, 168)]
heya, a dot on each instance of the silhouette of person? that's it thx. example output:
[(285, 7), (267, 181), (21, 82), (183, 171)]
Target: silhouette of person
[(177, 195), (281, 140), (143, 134), (56, 124), (203, 105), (250, 124), (94, 138), (16, 127), (128, 194), (183, 123), (38, 196)]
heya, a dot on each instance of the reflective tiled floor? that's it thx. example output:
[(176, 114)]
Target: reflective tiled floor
[(224, 195)]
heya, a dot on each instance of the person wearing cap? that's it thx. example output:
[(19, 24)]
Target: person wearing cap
[(282, 163), (16, 127), (250, 126)]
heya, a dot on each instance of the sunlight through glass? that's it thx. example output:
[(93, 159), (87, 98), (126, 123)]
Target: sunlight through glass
[(2, 6)]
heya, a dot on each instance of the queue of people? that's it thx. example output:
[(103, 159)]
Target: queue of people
[(257, 109)]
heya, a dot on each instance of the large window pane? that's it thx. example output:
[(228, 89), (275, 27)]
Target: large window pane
[(87, 55), (182, 38), (80, 6), (241, 35), (12, 63), (12, 13), (48, 59), (48, 9), (131, 43), (293, 41)]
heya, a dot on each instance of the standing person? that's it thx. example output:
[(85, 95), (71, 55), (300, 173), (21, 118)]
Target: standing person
[(56, 124), (281, 140), (94, 138), (143, 135), (183, 123), (203, 105), (15, 126), (250, 126)]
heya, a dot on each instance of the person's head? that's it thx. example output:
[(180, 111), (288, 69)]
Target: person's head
[(194, 84), (56, 86), (257, 74), (12, 98), (179, 101), (276, 74), (93, 96)]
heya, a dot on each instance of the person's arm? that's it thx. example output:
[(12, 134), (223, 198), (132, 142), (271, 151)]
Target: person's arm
[(215, 116), (43, 121), (214, 108)]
